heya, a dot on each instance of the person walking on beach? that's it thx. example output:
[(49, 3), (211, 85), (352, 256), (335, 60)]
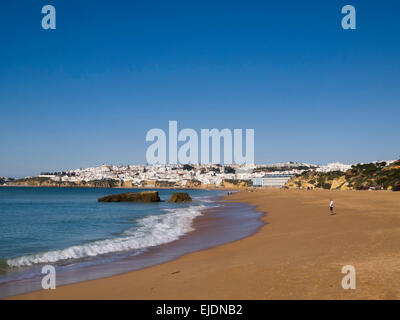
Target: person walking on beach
[(331, 206)]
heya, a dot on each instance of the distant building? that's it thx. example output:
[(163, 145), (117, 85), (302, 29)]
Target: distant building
[(272, 180), (336, 166), (46, 175)]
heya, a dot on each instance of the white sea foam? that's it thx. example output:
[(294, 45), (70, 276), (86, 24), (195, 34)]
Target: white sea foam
[(204, 199), (151, 231)]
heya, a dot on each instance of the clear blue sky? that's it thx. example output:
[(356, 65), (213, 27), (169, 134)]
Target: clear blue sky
[(86, 93)]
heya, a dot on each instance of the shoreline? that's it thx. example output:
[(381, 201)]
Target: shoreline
[(298, 254), (217, 225)]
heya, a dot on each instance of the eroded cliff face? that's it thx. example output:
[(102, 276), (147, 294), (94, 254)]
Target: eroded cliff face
[(314, 181), (126, 184), (236, 184), (191, 184)]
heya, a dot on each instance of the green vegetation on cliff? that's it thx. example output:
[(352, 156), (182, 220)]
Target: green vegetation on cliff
[(238, 183), (377, 175)]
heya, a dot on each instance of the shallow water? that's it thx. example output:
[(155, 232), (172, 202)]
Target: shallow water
[(85, 239)]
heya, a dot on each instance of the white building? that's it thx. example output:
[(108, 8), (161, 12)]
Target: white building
[(336, 166), (272, 180)]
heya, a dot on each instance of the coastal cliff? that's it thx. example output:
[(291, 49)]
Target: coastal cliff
[(113, 183), (234, 184), (378, 176), (47, 182)]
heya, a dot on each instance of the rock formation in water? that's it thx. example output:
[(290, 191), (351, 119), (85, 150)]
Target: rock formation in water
[(144, 196), (179, 197)]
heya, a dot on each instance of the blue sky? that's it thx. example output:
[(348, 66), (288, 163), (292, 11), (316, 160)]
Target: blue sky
[(86, 93)]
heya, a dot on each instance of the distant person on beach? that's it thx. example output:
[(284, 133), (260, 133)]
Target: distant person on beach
[(331, 206)]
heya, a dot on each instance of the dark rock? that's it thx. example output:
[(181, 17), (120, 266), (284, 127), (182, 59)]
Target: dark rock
[(144, 196), (179, 197)]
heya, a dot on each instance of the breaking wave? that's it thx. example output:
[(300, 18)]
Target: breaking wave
[(151, 231)]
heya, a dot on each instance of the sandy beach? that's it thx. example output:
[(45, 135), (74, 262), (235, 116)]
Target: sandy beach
[(298, 254)]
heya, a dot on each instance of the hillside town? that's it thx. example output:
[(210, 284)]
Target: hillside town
[(179, 176), (183, 175)]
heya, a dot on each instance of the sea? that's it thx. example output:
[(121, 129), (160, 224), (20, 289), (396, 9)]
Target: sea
[(85, 239)]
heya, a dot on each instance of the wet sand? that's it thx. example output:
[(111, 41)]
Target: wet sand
[(298, 254), (219, 224)]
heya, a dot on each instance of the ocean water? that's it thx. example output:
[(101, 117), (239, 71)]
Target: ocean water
[(85, 239), (57, 225)]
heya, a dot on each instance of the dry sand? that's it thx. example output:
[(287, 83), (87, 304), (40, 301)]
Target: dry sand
[(298, 254)]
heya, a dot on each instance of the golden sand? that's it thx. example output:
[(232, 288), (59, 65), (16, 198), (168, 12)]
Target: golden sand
[(298, 254)]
